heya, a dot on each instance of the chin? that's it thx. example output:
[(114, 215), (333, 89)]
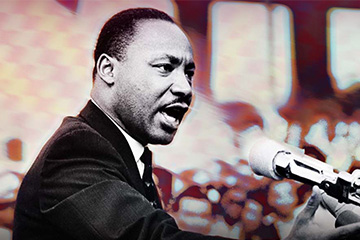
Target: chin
[(162, 139)]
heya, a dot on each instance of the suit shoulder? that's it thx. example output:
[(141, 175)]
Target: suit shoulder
[(73, 124), (73, 127), (75, 135)]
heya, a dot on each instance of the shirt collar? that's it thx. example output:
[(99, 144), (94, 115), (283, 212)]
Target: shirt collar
[(137, 148)]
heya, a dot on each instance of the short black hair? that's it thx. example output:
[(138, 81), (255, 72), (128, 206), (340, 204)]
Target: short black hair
[(119, 30)]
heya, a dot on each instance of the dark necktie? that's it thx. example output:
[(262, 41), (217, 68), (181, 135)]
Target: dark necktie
[(150, 189)]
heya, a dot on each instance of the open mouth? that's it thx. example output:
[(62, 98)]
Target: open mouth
[(173, 114)]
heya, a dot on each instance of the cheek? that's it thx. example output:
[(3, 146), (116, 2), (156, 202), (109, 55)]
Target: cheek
[(151, 93)]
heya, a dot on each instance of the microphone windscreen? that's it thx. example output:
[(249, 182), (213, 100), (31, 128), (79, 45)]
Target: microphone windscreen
[(262, 155)]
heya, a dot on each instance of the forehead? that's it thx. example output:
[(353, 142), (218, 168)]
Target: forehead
[(158, 37)]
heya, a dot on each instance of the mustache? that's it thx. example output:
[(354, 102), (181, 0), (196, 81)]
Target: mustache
[(182, 99)]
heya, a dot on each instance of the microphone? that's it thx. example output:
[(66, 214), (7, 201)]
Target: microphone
[(279, 160)]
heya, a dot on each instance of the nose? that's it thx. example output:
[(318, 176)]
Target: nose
[(182, 85)]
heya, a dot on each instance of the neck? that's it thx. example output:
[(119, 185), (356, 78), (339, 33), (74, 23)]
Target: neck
[(110, 114)]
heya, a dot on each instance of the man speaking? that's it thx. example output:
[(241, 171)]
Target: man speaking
[(93, 178)]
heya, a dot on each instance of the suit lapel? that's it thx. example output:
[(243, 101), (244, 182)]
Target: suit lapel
[(103, 125)]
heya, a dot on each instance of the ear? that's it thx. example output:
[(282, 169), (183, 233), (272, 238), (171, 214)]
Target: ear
[(105, 68)]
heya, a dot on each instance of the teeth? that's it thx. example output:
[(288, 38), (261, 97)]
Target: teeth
[(172, 115), (171, 119)]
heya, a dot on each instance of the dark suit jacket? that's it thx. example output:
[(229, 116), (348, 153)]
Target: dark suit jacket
[(85, 185)]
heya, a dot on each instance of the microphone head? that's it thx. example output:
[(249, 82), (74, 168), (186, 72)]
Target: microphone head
[(262, 156)]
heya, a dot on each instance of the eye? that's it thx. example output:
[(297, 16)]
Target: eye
[(165, 67)]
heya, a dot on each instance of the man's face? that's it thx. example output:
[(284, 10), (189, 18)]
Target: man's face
[(153, 88)]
